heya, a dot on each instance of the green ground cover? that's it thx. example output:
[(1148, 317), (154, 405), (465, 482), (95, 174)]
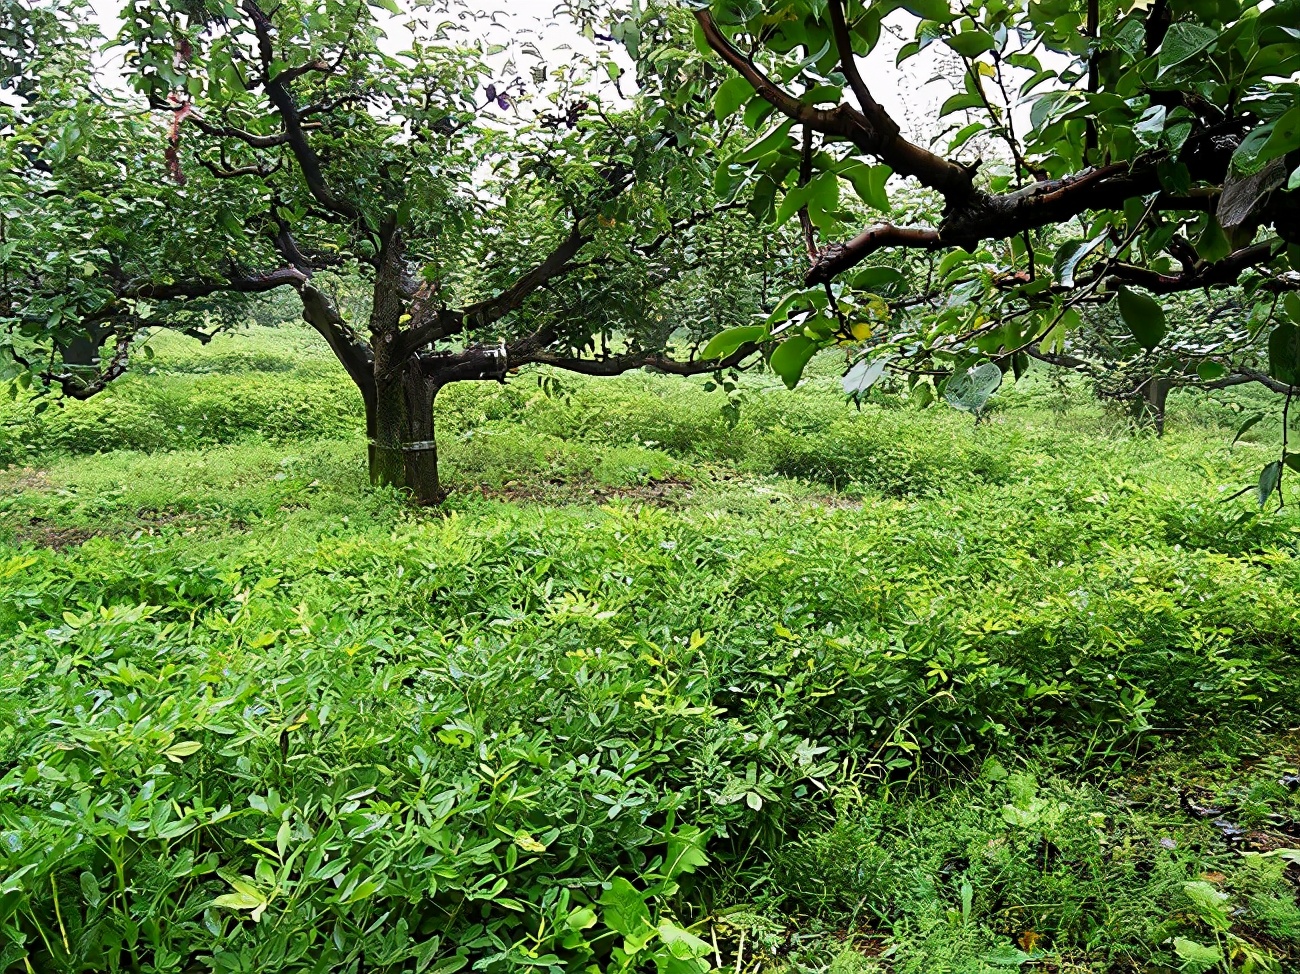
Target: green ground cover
[(872, 690)]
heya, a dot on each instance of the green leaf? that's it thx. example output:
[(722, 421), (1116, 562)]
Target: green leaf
[(1248, 158), (682, 944), (1209, 371), (1284, 353), (876, 278), (1196, 957), (864, 375), (794, 201), (1212, 245), (731, 94), (1245, 427), (824, 199), (767, 143), (971, 391), (1284, 138), (1269, 478), (685, 851), (1182, 42), (1291, 305), (928, 9), (869, 183), (960, 101), (971, 43), (625, 908), (791, 356), (1007, 956), (1144, 316), (238, 901), (1071, 254), (725, 342)]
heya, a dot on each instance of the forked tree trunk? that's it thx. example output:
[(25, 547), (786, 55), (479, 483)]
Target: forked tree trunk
[(403, 453)]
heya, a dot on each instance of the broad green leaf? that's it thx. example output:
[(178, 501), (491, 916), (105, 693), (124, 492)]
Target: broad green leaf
[(928, 9), (1291, 305), (767, 143), (1248, 157), (681, 943), (1182, 42), (685, 851), (1284, 138), (625, 908), (1197, 958), (1071, 254), (725, 342), (1209, 371), (791, 356), (794, 201), (1007, 956), (869, 183), (864, 375), (970, 391), (959, 101), (1284, 353), (1212, 245), (1269, 478), (731, 94), (876, 278), (1144, 316), (971, 43)]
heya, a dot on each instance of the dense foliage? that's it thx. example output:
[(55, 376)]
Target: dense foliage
[(697, 708), (493, 208), (1159, 154)]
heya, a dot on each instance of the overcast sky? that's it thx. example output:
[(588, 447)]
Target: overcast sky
[(910, 95)]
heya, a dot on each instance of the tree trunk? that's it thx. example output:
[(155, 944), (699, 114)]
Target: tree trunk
[(1149, 403), (402, 449), (82, 351)]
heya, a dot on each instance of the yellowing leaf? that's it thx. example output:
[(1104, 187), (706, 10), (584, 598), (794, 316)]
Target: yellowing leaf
[(528, 843), (182, 750)]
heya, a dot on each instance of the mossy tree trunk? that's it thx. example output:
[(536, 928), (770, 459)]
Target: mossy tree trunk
[(403, 453)]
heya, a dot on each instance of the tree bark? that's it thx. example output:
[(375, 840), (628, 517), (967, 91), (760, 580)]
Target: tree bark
[(403, 453), (1149, 403), (82, 351)]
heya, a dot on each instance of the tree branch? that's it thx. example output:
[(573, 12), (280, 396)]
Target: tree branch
[(251, 284), (1222, 272), (655, 361), (874, 133), (838, 258), (281, 98)]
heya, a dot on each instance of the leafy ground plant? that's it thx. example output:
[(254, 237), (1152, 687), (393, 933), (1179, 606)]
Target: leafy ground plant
[(946, 698)]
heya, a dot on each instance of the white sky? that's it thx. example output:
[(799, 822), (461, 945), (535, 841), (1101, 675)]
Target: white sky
[(909, 95)]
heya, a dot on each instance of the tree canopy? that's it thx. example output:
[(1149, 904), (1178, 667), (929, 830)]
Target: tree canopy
[(1099, 158), (500, 210)]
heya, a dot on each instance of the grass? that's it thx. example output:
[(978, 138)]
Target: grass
[(825, 689)]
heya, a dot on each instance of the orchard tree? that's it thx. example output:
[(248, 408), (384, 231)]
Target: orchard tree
[(1099, 153), (500, 211)]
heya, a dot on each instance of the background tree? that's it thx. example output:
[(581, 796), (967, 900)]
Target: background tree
[(499, 211), (1160, 155)]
